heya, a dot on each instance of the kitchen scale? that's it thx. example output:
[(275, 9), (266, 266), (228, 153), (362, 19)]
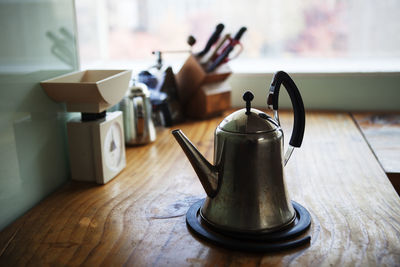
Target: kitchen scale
[(96, 140)]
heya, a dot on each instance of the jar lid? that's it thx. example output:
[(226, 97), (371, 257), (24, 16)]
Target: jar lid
[(138, 89)]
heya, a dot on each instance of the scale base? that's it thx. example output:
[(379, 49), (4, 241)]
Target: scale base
[(88, 149)]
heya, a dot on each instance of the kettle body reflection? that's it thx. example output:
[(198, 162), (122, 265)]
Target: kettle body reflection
[(246, 190)]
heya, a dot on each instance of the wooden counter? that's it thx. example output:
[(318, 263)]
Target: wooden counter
[(138, 219), (382, 132)]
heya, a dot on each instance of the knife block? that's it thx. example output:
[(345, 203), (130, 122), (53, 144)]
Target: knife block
[(202, 94)]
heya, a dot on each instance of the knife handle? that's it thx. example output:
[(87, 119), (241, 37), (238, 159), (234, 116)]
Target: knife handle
[(224, 55), (220, 59), (239, 34), (223, 42), (213, 38)]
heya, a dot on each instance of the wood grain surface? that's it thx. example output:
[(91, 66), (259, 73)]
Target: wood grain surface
[(382, 132), (138, 219)]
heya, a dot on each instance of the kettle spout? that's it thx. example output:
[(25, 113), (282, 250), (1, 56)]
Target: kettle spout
[(206, 172)]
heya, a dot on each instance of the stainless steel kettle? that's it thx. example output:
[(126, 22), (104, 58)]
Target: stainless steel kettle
[(245, 187), (136, 108)]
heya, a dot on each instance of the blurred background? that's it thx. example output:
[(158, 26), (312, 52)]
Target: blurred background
[(307, 31)]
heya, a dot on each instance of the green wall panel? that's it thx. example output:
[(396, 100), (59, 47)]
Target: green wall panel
[(38, 43)]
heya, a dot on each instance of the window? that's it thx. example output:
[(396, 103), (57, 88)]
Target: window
[(345, 53), (332, 32)]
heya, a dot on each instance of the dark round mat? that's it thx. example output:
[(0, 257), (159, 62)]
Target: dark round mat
[(269, 242)]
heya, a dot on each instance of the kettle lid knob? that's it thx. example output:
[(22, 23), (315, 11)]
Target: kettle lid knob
[(248, 97)]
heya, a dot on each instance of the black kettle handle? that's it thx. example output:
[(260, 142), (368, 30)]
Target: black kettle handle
[(279, 78)]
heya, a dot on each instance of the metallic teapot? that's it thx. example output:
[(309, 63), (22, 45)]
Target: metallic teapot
[(246, 191), (136, 108)]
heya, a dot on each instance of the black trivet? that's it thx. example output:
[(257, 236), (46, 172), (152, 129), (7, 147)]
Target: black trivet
[(269, 242)]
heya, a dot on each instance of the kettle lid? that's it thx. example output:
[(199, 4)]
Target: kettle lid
[(248, 120)]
